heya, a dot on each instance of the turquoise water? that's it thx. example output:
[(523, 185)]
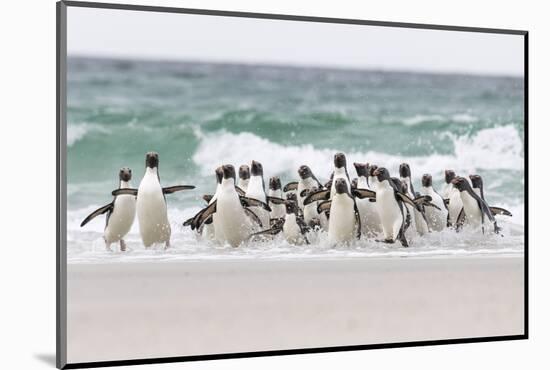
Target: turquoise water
[(198, 116)]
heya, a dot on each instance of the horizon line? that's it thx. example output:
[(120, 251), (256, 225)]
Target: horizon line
[(291, 65)]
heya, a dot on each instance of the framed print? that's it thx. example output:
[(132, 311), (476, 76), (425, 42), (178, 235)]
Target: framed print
[(239, 184)]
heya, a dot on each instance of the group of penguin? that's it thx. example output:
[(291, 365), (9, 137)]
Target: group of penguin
[(373, 205)]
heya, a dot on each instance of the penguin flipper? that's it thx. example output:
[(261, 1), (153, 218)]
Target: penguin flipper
[(425, 200), (101, 210), (404, 226), (124, 191), (304, 228), (291, 186), (357, 220), (430, 204), (364, 193), (207, 197), (405, 198), (203, 215), (500, 211), (253, 216), (249, 202), (276, 221), (275, 200), (461, 219), (318, 195), (324, 206), (189, 221), (240, 191), (273, 231), (173, 189)]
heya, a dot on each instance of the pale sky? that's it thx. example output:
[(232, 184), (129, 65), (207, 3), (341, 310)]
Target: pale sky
[(169, 36)]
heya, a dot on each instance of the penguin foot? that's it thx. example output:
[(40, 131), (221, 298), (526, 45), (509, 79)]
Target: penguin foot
[(167, 245), (387, 241), (122, 245)]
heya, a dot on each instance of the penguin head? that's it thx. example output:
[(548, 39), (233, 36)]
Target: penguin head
[(257, 169), (339, 160), (341, 186), (404, 170), (449, 176), (219, 174), (275, 183), (125, 174), (371, 169), (292, 197), (291, 207), (461, 183), (381, 174), (152, 160), (361, 168), (304, 172), (228, 171), (426, 180), (354, 183), (477, 181), (244, 172)]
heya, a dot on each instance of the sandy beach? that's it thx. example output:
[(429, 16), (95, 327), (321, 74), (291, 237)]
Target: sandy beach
[(137, 310)]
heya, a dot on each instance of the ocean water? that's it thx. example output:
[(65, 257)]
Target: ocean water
[(200, 115)]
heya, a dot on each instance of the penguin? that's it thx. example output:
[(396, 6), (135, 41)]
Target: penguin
[(293, 226), (436, 217), (244, 177), (256, 190), (120, 213), (234, 218), (477, 185), (452, 198), (344, 224), (372, 181), (312, 217), (475, 211), (448, 187), (390, 202), (275, 191), (370, 220), (151, 203), (418, 219), (307, 181), (340, 172)]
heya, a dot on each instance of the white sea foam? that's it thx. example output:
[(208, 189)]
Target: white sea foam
[(425, 118), (489, 149), (420, 118), (78, 131), (85, 245)]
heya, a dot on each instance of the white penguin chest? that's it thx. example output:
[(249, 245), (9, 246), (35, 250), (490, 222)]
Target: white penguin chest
[(122, 218), (455, 205), (291, 229), (387, 205), (471, 208), (342, 218), (255, 189), (150, 200)]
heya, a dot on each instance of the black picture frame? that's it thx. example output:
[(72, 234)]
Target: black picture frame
[(61, 186)]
